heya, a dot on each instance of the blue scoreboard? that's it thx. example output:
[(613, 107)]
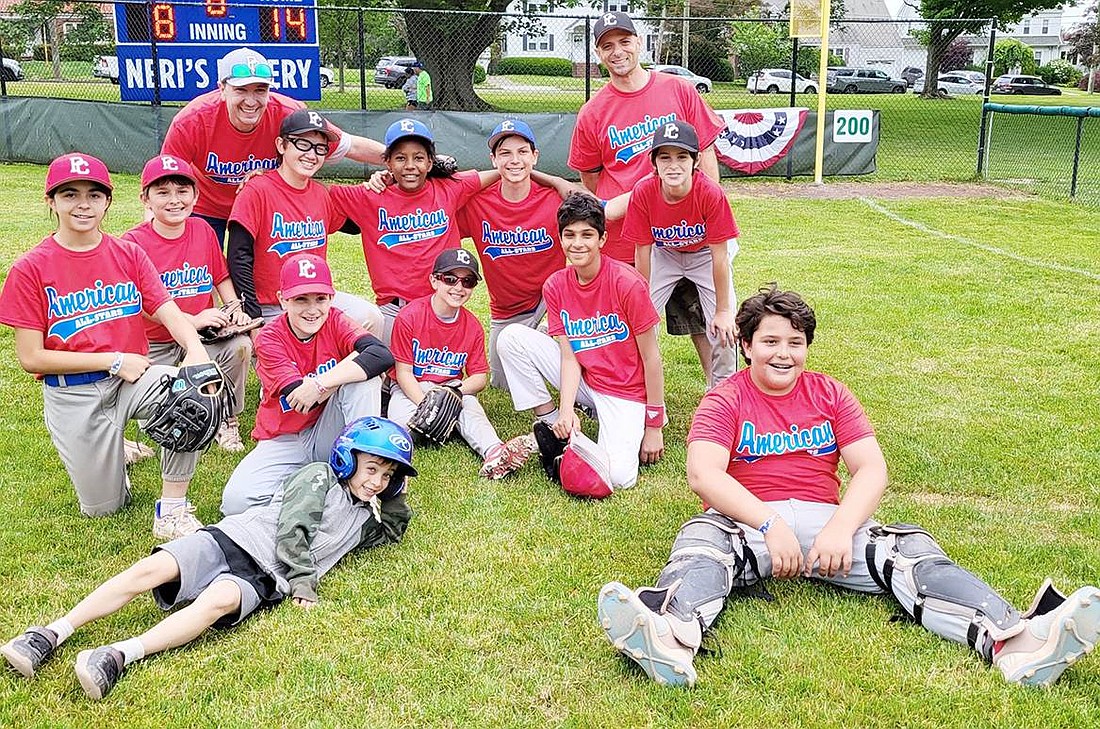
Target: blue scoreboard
[(191, 37)]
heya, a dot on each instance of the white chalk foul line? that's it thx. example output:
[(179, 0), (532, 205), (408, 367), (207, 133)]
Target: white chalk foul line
[(975, 244)]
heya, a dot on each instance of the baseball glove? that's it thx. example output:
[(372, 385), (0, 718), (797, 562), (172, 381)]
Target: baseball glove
[(213, 335), (437, 414), (191, 407)]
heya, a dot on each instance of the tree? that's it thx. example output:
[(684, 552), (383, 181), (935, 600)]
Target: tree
[(958, 55), (768, 45), (90, 32), (1009, 54), (448, 45), (944, 28), (1085, 38)]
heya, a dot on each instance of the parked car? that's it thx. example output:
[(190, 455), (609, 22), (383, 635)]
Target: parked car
[(701, 83), (12, 70), (911, 74), (390, 70), (107, 67), (1010, 84), (776, 80), (976, 76), (863, 81), (955, 84)]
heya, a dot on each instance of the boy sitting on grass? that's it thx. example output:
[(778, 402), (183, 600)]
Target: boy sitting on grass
[(226, 571), (437, 342), (601, 353), (763, 454)]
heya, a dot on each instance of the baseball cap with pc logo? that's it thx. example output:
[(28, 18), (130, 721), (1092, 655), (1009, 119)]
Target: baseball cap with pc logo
[(77, 166), (165, 165), (305, 273), (245, 66)]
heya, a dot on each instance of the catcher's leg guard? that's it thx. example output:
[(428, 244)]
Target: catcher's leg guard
[(708, 558), (946, 599)]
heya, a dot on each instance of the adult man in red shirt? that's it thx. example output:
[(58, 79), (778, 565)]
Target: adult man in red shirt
[(610, 150), (229, 133)]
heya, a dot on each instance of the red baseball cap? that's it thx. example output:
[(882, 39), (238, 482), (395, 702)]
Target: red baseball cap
[(77, 166), (305, 274), (165, 165)]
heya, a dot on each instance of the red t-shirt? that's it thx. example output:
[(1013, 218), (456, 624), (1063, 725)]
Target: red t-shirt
[(518, 245), (84, 301), (220, 153), (403, 232), (614, 130), (283, 221), (282, 358), (785, 446), (702, 218), (190, 266), (601, 320), (437, 350)]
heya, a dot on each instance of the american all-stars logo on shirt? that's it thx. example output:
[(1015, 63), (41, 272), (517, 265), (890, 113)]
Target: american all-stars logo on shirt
[(233, 172), (437, 362), (680, 235), (817, 440), (516, 242), (397, 230), (296, 236), (188, 281), (629, 142), (593, 332), (80, 310)]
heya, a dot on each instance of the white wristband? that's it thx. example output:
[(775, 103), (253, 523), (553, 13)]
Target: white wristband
[(116, 366)]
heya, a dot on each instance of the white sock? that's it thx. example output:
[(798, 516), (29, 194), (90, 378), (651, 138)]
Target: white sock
[(168, 504), (63, 628), (132, 649), (551, 417)]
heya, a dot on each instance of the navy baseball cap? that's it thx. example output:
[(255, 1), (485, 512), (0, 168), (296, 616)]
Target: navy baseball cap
[(453, 259), (407, 128), (675, 134), (307, 120), (510, 128), (612, 21)]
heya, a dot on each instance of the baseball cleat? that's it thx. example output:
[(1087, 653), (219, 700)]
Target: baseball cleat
[(644, 636), (180, 522), (551, 448), (135, 451), (30, 650), (228, 436), (504, 458), (1051, 643), (99, 670)]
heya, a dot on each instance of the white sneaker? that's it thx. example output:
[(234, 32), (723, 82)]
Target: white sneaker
[(229, 436), (1051, 643), (180, 522), (644, 636)]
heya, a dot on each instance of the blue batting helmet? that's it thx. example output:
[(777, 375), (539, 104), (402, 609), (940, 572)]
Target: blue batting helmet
[(379, 437)]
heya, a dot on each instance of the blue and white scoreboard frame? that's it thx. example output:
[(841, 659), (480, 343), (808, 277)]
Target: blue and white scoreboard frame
[(191, 37)]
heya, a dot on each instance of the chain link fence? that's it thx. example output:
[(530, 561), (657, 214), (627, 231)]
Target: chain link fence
[(1050, 150), (541, 60)]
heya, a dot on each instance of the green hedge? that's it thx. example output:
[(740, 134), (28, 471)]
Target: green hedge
[(479, 74), (535, 66)]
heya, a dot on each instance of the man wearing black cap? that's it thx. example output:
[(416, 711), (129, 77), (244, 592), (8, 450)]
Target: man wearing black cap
[(611, 140)]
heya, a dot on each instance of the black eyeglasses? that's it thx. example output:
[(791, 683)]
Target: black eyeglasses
[(468, 282), (321, 149)]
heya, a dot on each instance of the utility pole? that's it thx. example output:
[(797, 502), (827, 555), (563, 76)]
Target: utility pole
[(684, 46)]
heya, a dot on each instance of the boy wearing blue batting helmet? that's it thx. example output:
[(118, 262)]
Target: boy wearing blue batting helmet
[(224, 572)]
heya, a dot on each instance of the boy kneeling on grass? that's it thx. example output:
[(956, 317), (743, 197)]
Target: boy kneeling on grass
[(763, 454), (255, 559)]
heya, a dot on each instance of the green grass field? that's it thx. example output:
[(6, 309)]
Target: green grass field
[(974, 355)]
